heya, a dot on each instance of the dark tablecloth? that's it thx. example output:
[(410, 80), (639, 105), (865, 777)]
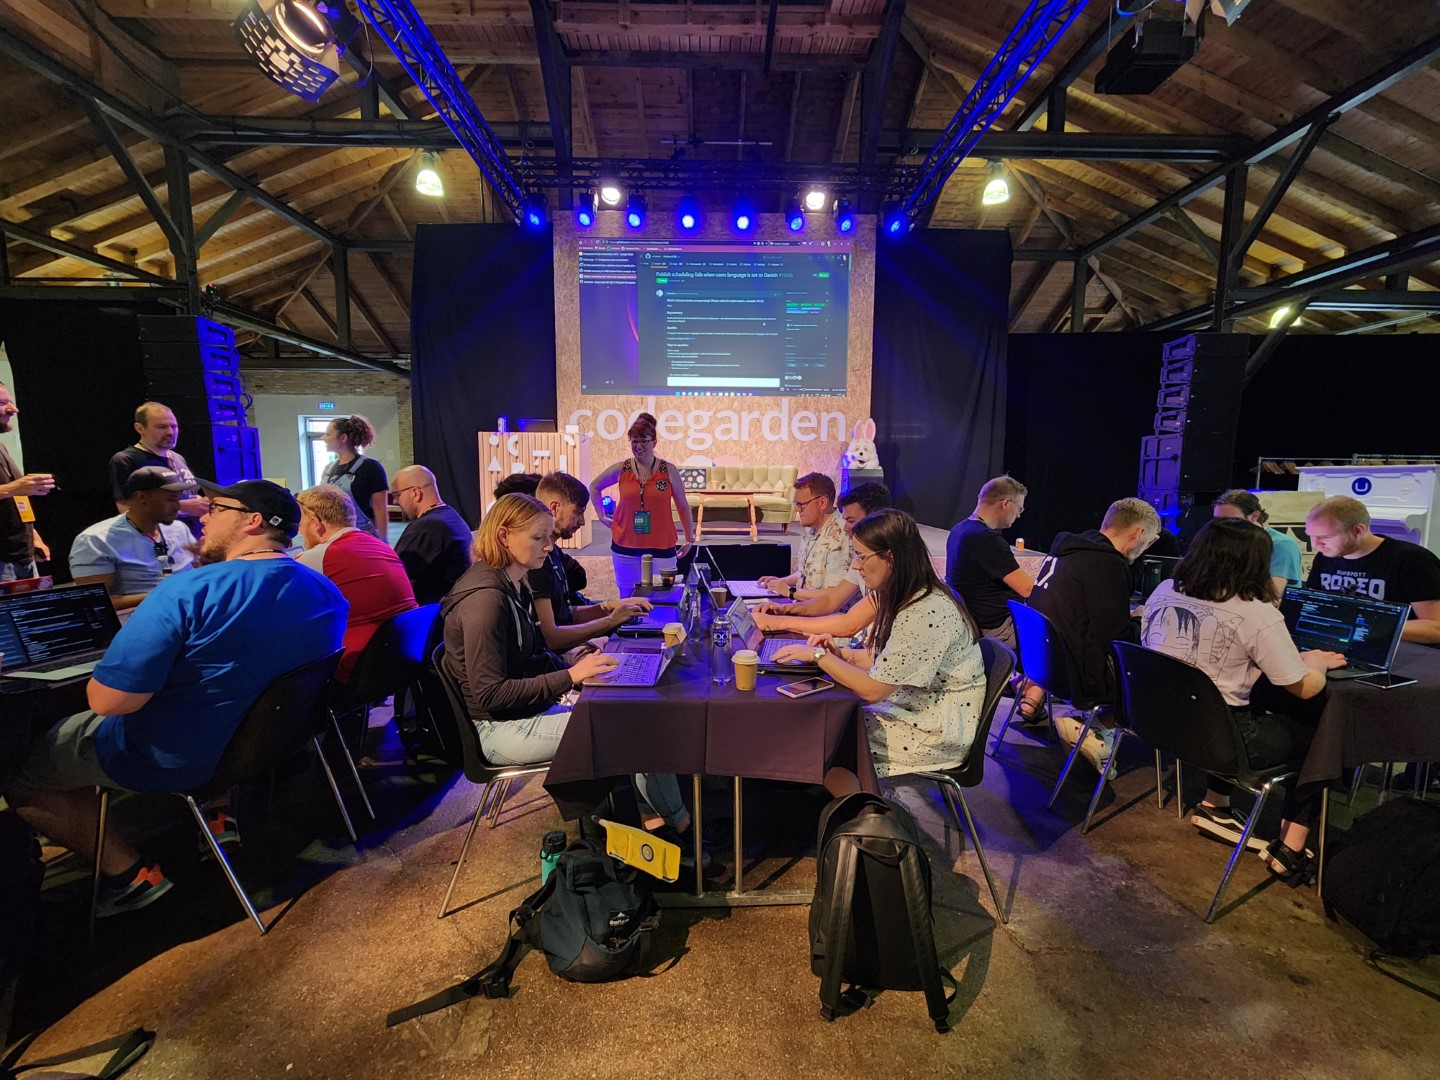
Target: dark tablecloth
[(28, 708), (1364, 723), (687, 724)]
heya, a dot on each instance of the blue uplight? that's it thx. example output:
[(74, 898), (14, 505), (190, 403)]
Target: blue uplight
[(635, 211)]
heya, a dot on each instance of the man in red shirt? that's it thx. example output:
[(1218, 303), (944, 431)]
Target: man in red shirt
[(364, 568)]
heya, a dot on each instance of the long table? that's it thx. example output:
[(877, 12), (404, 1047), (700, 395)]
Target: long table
[(27, 708), (688, 724)]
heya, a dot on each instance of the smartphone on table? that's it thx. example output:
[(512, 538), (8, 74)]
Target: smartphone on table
[(806, 687)]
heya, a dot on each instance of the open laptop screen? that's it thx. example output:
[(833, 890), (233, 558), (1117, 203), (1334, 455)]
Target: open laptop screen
[(1366, 631), (56, 623)]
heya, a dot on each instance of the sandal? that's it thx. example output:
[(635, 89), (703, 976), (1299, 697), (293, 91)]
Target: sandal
[(1038, 714)]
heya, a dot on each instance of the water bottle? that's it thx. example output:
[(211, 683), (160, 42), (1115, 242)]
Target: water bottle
[(647, 569), (720, 652), (551, 846)]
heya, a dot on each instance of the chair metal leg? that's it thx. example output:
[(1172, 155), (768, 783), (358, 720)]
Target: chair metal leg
[(1070, 761), (954, 793), (1159, 784), (1179, 792), (100, 825), (1014, 704), (1100, 783), (1239, 847), (464, 850), (1356, 781), (335, 790), (219, 853), (1320, 842), (501, 795), (350, 761)]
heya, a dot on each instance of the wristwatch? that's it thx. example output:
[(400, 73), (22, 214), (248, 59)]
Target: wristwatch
[(817, 652), (792, 592)]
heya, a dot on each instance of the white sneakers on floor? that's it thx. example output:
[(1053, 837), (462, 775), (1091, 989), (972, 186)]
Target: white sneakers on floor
[(1097, 747)]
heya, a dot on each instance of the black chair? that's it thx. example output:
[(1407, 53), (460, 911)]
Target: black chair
[(391, 662), (999, 664), (288, 714), (1178, 710), (478, 769)]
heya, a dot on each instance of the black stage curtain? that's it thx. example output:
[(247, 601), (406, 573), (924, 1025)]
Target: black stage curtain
[(1078, 406), (79, 373), (938, 397), (483, 332)]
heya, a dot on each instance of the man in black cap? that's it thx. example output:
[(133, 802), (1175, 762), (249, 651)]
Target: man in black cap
[(132, 551), (178, 679)]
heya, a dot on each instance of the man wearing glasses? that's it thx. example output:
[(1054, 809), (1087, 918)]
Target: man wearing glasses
[(435, 546), (133, 551), (825, 550), (979, 564), (178, 679)]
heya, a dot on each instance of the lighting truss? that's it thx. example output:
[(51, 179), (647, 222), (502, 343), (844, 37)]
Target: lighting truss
[(1034, 35), (420, 54), (691, 174)]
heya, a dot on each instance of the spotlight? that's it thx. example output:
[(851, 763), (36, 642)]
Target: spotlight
[(815, 199), (534, 210), (427, 179), (1279, 317), (635, 211), (585, 209), (896, 222), (744, 216), (297, 43), (794, 217), (689, 213), (997, 188), (844, 216), (610, 193)]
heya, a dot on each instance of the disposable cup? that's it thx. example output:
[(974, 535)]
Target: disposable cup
[(674, 634), (747, 664), (719, 596)]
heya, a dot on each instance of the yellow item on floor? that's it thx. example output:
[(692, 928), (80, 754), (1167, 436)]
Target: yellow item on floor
[(642, 850)]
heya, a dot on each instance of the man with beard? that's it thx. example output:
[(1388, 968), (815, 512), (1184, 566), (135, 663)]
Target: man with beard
[(178, 679), (159, 431), (19, 541), (132, 552)]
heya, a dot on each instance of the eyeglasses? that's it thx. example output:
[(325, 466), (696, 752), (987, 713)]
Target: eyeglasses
[(801, 505), (214, 507), (862, 558), (642, 442), (395, 495)]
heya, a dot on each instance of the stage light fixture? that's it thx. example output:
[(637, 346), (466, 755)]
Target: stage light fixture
[(844, 216), (997, 188), (635, 211), (688, 213), (427, 178), (585, 209), (895, 221), (1279, 317), (794, 216), (744, 217), (297, 43), (534, 211), (815, 199), (610, 193)]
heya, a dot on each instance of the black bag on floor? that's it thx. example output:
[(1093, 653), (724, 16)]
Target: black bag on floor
[(870, 922), (1383, 876), (592, 919), (21, 875)]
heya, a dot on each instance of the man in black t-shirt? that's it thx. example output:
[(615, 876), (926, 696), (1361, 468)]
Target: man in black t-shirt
[(1353, 560), (435, 546), (563, 625), (159, 431), (19, 542), (979, 565)]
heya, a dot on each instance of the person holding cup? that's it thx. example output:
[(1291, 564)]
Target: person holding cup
[(922, 678)]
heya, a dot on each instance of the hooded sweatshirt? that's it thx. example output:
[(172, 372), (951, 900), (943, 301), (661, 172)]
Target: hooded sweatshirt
[(1083, 587), (494, 649)]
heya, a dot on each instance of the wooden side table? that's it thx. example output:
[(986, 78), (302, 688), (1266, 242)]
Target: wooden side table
[(708, 496)]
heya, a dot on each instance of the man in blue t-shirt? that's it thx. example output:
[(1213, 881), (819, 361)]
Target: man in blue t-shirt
[(178, 679)]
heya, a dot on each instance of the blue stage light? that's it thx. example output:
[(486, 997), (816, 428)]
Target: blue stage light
[(635, 211), (689, 213), (534, 210), (895, 221), (743, 216), (844, 216), (585, 209), (794, 217)]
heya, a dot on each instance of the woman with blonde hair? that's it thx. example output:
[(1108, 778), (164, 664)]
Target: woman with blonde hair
[(642, 523), (517, 692)]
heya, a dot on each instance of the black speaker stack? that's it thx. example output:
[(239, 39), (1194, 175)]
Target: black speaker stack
[(1189, 460), (192, 366)]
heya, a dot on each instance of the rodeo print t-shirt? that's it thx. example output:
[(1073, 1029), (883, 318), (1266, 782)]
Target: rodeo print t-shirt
[(1234, 642), (1397, 571)]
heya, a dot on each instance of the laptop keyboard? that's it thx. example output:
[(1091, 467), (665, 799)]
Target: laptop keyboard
[(773, 645), (69, 661), (633, 668)]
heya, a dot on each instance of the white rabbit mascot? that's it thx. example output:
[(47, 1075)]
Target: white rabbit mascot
[(861, 454)]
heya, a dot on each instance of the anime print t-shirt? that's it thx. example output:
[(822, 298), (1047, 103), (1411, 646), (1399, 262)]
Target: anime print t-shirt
[(1234, 642)]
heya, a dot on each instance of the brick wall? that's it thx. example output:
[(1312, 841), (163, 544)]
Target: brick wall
[(358, 381)]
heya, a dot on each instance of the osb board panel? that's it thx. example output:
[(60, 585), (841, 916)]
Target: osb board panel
[(770, 431)]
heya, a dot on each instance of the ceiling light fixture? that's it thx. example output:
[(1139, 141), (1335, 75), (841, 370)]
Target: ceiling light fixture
[(297, 43), (427, 178), (815, 199), (997, 188)]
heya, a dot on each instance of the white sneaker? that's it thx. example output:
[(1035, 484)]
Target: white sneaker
[(1068, 728), (1098, 748)]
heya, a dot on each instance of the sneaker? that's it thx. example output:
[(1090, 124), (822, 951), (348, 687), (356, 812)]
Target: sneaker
[(147, 886), (223, 828), (1098, 748), (1223, 823), (1068, 728), (1295, 868)]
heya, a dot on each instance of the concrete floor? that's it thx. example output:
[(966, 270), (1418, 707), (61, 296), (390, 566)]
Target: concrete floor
[(1104, 969)]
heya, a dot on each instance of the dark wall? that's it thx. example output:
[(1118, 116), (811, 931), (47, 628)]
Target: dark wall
[(483, 332), (78, 376)]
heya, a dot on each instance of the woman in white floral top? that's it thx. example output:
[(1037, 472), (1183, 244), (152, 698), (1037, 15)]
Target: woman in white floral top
[(923, 679)]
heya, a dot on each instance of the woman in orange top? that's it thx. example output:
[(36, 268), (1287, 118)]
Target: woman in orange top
[(642, 523)]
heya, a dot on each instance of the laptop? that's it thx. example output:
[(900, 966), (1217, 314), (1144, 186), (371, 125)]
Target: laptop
[(650, 623), (748, 635), (1367, 631), (641, 664), (749, 590), (56, 634)]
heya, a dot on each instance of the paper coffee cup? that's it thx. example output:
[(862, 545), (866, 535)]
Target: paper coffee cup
[(674, 634), (747, 664)]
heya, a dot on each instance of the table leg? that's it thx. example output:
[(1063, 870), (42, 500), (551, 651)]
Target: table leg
[(739, 886), (700, 520), (754, 533), (696, 823)]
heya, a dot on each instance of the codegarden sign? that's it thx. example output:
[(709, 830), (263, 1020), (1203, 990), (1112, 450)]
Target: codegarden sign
[(702, 429)]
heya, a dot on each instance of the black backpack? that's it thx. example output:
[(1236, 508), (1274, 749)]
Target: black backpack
[(1383, 876), (592, 919), (870, 922)]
